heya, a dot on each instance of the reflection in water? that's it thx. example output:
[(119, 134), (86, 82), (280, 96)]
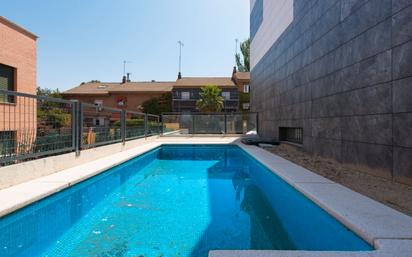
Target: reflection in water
[(264, 222), (240, 180)]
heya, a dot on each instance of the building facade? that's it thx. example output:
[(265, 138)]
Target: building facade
[(336, 77), (18, 117), (186, 92), (127, 95)]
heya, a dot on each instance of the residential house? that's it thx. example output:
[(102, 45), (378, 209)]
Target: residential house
[(242, 80), (126, 95), (185, 93)]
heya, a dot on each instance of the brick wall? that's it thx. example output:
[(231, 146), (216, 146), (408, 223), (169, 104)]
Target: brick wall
[(134, 100), (18, 50), (342, 70)]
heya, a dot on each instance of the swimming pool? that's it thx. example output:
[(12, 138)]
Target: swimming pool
[(176, 200)]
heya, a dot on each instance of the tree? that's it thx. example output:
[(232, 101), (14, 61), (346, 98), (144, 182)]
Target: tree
[(210, 99), (52, 113), (243, 64), (53, 123), (158, 105), (49, 92), (91, 81)]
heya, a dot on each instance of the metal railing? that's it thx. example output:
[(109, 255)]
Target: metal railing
[(181, 124), (34, 126)]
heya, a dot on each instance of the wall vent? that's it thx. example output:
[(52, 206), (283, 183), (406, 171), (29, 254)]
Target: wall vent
[(291, 134)]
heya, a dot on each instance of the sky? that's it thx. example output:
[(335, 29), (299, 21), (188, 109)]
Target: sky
[(83, 40)]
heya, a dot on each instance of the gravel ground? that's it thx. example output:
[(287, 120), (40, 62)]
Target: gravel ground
[(386, 191)]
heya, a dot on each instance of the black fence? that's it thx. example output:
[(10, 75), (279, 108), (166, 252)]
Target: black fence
[(34, 126), (181, 124)]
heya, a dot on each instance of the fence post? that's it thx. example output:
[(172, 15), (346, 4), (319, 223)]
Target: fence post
[(145, 125), (79, 127), (193, 124), (225, 123), (162, 124), (123, 126), (158, 125), (75, 122)]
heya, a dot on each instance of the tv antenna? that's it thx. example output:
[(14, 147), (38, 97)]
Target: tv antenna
[(180, 55), (124, 66)]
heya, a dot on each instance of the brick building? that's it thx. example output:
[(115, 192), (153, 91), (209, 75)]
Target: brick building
[(185, 92), (17, 73), (126, 95)]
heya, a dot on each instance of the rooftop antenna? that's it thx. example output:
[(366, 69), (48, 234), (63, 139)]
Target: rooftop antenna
[(236, 44), (124, 67), (180, 55)]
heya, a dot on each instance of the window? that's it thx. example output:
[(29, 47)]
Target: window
[(98, 103), (98, 121), (226, 95), (7, 143), (185, 95), (245, 88), (6, 82)]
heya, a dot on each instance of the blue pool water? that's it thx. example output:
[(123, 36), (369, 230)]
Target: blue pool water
[(175, 201)]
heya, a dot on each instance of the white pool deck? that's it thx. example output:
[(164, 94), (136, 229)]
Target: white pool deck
[(388, 230)]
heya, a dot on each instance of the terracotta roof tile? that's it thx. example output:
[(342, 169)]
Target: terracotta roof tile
[(242, 75), (130, 87), (203, 81)]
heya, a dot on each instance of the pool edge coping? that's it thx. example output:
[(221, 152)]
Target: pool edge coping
[(21, 195), (301, 177)]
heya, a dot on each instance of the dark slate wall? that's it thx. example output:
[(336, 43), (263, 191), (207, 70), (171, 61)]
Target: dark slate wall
[(256, 17), (343, 71)]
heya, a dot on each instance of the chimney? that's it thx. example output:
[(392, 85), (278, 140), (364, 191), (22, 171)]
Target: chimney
[(128, 77), (233, 74), (124, 79), (179, 76)]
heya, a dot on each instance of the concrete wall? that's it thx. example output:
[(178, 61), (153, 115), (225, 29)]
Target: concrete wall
[(341, 70), (25, 171)]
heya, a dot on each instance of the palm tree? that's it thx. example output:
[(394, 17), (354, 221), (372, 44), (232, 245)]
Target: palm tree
[(243, 64), (210, 99)]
